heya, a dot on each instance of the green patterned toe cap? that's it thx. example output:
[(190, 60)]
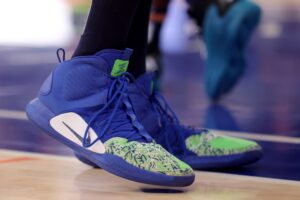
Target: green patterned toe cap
[(148, 156), (208, 144)]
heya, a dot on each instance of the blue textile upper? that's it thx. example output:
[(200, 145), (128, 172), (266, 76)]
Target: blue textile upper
[(158, 118), (85, 85)]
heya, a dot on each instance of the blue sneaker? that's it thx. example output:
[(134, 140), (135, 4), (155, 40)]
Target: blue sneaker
[(200, 148), (84, 104), (226, 38)]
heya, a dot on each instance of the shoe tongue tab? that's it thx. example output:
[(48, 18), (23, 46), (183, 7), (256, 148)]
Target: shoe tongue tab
[(120, 65)]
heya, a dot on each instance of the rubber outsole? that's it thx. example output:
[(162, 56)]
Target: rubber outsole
[(40, 115), (222, 162)]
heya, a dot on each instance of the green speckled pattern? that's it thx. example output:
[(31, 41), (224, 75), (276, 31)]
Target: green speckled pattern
[(209, 144), (148, 156)]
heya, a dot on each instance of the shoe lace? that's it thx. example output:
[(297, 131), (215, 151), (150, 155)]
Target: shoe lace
[(174, 132), (116, 119)]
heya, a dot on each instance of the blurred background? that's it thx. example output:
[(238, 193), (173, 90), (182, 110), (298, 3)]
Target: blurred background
[(266, 100)]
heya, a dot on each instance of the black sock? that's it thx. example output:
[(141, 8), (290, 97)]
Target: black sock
[(137, 38), (108, 26), (153, 45), (198, 8)]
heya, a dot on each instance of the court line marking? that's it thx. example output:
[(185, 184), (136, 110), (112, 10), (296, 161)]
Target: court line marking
[(21, 115), (13, 114), (41, 156), (35, 155), (260, 137), (18, 159)]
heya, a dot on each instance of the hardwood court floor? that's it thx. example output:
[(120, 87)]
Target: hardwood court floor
[(37, 176)]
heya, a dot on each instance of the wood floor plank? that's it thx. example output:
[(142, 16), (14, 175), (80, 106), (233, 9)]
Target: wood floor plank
[(61, 178)]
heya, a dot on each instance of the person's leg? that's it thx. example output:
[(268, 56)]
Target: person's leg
[(156, 116), (108, 26), (131, 30), (138, 37), (84, 103)]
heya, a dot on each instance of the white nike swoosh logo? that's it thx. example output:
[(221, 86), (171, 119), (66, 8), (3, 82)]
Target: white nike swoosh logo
[(72, 126)]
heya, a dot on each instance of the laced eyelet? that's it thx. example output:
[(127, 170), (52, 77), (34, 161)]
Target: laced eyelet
[(117, 95)]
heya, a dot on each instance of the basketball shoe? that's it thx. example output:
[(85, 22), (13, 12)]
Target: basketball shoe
[(200, 148), (85, 104), (226, 37)]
